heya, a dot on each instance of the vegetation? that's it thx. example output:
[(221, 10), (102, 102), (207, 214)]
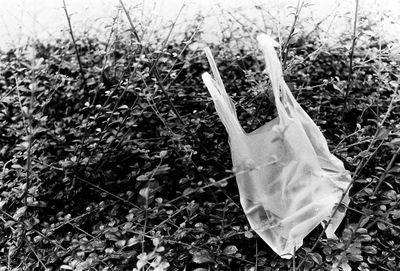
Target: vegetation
[(112, 156)]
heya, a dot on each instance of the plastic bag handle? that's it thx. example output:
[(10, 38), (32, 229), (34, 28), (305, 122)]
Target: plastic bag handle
[(218, 80), (223, 107), (274, 69)]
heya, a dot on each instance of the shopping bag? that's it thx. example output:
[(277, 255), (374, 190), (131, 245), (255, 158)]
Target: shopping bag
[(288, 180)]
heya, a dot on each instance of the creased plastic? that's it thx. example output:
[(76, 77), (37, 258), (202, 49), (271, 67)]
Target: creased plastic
[(288, 180)]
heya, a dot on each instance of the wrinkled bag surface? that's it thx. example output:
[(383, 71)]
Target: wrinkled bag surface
[(288, 180)]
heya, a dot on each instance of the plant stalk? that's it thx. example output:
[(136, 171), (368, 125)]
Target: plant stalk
[(349, 87), (75, 45)]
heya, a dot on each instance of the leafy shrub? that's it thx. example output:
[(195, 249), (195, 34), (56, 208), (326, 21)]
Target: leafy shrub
[(125, 170)]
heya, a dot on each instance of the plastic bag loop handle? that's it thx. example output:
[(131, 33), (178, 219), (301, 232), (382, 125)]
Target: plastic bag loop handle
[(274, 70)]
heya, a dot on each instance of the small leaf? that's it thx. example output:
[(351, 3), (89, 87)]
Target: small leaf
[(327, 250), (395, 214), (163, 154), (370, 249), (111, 236), (395, 141), (364, 238), (248, 234), (202, 256), (128, 226), (383, 134), (395, 169), (144, 192), (123, 107), (354, 248), (9, 223), (230, 250), (156, 242), (109, 250), (345, 267), (362, 230), (120, 243), (364, 154), (364, 221), (381, 226), (164, 169), (142, 178), (188, 191), (132, 241), (355, 258), (20, 212), (316, 258), (66, 267)]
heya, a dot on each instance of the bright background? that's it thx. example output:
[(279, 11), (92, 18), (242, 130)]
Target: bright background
[(24, 20)]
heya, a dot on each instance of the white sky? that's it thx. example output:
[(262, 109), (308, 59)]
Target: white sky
[(45, 19)]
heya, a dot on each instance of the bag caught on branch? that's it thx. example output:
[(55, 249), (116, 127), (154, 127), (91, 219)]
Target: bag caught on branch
[(288, 180)]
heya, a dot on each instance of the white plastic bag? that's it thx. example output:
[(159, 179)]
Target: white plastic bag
[(288, 180)]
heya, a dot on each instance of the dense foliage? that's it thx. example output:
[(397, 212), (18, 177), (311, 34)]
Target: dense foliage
[(128, 167)]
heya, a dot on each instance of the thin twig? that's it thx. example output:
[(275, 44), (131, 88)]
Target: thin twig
[(353, 44), (107, 192), (159, 81), (380, 181), (91, 108), (29, 132), (37, 256), (166, 39), (294, 259), (358, 170), (165, 221), (146, 209), (256, 263), (223, 180), (292, 29), (223, 219), (75, 45), (154, 71), (37, 231)]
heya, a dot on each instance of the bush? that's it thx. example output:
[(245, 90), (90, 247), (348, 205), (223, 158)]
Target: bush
[(127, 167)]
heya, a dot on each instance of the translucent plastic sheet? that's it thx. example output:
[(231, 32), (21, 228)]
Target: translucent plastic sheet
[(288, 182)]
